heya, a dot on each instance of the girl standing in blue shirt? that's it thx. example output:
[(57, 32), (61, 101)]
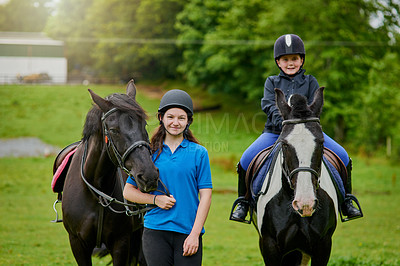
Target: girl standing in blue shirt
[(173, 231), (289, 54)]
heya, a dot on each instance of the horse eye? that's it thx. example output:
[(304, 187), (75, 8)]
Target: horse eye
[(113, 130)]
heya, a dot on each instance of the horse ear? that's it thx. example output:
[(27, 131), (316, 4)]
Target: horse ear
[(318, 102), (131, 89), (283, 107), (100, 102)]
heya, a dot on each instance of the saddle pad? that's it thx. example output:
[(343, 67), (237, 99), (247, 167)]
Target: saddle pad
[(336, 178), (258, 180), (57, 183), (269, 163)]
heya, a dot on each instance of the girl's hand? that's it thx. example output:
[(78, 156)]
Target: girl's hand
[(165, 202), (191, 245)]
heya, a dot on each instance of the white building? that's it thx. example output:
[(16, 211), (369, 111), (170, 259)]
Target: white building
[(31, 57)]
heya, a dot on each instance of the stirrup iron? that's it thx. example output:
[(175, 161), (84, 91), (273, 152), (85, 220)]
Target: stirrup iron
[(251, 209), (58, 200), (353, 198)]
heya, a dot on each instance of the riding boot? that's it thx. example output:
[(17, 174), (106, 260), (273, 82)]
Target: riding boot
[(243, 205), (347, 206)]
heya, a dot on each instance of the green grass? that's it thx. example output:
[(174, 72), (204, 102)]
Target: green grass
[(56, 115)]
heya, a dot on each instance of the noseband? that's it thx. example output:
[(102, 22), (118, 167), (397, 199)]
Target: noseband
[(300, 121), (110, 144), (285, 169)]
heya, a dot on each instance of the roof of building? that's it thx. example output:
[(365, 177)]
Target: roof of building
[(30, 38)]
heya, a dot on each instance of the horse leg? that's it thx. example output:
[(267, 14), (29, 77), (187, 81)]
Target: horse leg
[(120, 251), (82, 253), (322, 252), (125, 249), (270, 251), (136, 248)]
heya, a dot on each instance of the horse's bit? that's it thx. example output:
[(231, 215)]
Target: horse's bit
[(286, 172)]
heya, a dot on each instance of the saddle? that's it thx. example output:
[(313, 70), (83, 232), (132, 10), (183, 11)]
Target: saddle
[(337, 163), (258, 162), (61, 165)]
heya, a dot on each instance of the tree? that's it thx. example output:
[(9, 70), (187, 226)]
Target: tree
[(69, 24), (237, 53), (343, 47), (24, 15), (197, 19), (142, 31), (119, 39), (380, 119)]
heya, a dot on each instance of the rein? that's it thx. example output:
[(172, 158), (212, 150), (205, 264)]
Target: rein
[(286, 172), (104, 199)]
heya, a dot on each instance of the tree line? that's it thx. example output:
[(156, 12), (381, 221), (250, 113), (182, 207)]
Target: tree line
[(226, 46)]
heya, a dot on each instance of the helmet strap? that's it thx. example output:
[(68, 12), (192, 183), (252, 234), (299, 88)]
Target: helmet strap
[(185, 132)]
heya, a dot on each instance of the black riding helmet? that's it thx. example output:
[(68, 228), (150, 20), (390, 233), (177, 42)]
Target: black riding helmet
[(176, 98), (289, 44)]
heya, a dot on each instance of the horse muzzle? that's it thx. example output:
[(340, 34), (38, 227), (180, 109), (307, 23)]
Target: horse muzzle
[(146, 178), (304, 208)]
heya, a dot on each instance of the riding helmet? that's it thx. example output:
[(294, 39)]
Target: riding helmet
[(176, 98), (289, 44)]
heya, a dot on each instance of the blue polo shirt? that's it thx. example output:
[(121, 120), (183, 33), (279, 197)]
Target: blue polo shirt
[(184, 173)]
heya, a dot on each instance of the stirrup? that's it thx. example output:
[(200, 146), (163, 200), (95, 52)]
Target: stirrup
[(251, 209), (54, 208), (353, 198)]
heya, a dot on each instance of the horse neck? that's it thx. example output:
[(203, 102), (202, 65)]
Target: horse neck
[(99, 169)]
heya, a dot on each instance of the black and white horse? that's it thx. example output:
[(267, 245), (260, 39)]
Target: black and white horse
[(297, 209)]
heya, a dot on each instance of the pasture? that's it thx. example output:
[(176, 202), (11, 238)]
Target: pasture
[(56, 114)]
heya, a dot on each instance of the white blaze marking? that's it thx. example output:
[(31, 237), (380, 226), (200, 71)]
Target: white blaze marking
[(303, 141)]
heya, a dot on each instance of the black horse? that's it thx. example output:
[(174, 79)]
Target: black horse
[(114, 138), (297, 210)]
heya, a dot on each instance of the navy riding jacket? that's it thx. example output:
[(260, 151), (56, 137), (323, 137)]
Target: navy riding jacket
[(300, 84)]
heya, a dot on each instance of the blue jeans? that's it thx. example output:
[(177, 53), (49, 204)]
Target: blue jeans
[(268, 139)]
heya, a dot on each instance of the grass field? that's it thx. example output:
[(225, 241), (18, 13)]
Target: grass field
[(56, 114)]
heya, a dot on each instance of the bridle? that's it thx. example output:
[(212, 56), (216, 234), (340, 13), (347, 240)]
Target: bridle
[(110, 144), (289, 174), (104, 199), (300, 121)]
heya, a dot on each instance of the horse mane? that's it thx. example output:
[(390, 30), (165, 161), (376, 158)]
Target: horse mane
[(122, 102), (299, 106)]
